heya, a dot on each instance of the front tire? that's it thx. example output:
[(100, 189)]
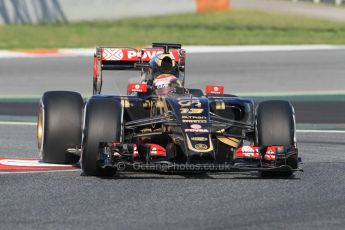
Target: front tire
[(102, 123), (275, 126), (59, 126), (275, 123)]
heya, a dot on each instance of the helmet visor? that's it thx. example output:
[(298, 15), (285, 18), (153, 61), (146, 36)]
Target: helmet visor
[(164, 91)]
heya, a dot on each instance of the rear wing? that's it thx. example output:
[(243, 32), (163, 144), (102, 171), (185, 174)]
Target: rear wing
[(113, 58)]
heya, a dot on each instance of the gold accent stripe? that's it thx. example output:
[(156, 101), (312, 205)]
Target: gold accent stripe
[(233, 142)]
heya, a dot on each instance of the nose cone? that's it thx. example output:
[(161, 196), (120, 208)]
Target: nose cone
[(199, 143), (193, 113)]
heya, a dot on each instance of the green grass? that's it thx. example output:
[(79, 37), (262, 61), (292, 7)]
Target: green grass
[(237, 27)]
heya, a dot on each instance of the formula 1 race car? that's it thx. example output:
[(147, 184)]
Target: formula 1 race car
[(162, 125)]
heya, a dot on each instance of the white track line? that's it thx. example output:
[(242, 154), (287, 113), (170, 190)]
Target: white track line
[(17, 123), (319, 131), (48, 171), (78, 52), (259, 48)]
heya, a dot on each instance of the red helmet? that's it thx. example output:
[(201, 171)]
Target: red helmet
[(165, 84)]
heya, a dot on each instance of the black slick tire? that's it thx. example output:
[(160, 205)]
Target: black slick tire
[(59, 126), (102, 124), (275, 123), (275, 126)]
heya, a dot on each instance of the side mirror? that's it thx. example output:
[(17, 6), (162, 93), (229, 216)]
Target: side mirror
[(137, 87), (214, 89)]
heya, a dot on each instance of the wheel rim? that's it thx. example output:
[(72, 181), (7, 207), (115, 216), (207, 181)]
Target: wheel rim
[(40, 130)]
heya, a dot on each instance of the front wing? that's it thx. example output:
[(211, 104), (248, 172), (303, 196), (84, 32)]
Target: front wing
[(246, 158)]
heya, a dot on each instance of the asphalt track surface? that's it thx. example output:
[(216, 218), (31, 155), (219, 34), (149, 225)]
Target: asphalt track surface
[(314, 199), (248, 72)]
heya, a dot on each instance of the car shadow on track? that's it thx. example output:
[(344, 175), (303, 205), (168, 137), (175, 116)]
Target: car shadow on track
[(196, 176)]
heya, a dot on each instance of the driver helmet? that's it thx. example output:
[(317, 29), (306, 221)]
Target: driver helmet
[(165, 84)]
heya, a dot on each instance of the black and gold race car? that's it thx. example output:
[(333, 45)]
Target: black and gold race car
[(162, 125)]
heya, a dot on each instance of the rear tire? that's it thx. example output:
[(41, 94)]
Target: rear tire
[(102, 124), (59, 126), (275, 125)]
